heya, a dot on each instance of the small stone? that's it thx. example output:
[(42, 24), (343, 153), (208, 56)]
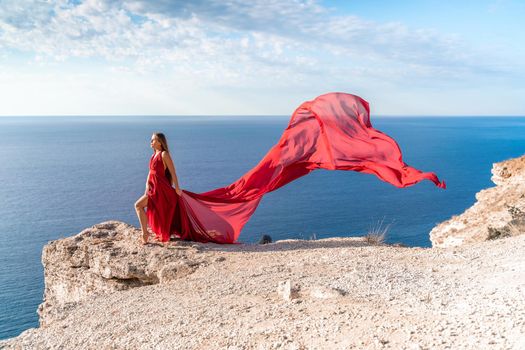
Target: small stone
[(286, 290), (265, 239)]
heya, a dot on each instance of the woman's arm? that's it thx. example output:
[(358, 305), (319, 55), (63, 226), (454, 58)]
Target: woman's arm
[(147, 181), (169, 163)]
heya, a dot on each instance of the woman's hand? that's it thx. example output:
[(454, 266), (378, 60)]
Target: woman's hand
[(178, 190)]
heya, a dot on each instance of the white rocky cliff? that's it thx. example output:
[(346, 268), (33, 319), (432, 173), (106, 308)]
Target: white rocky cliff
[(105, 291), (499, 211), (103, 259)]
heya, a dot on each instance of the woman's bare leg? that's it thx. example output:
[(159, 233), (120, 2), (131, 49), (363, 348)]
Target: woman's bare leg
[(140, 204)]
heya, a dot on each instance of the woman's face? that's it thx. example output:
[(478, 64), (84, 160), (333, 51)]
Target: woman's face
[(154, 142)]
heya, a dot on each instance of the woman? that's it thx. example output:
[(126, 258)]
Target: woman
[(159, 197)]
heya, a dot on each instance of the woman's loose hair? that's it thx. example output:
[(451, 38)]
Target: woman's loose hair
[(164, 143)]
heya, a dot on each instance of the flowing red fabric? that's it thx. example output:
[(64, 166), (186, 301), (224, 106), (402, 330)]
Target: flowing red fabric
[(332, 132)]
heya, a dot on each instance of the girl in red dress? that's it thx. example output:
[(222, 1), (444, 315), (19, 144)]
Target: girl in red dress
[(333, 132), (160, 198)]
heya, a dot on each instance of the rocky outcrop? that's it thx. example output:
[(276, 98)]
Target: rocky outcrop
[(107, 258), (499, 211), (106, 291)]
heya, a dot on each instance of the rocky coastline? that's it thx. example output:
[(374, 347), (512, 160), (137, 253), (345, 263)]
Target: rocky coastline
[(104, 290), (499, 211)]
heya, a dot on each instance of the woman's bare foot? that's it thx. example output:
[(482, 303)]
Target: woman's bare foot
[(144, 238)]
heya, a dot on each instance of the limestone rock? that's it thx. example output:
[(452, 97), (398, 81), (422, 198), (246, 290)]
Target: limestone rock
[(106, 258), (287, 290), (175, 270), (499, 211)]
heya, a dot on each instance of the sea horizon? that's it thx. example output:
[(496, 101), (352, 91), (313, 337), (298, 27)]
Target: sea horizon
[(257, 115)]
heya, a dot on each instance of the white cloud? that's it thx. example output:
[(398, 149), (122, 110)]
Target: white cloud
[(278, 30), (296, 48)]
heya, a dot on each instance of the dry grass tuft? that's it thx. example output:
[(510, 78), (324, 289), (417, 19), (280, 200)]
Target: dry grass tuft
[(377, 233)]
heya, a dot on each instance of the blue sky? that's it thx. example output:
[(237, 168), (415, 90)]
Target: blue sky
[(260, 57)]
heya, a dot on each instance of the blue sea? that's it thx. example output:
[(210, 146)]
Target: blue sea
[(60, 175)]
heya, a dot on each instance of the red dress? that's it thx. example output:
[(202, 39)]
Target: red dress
[(331, 132), (163, 201)]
